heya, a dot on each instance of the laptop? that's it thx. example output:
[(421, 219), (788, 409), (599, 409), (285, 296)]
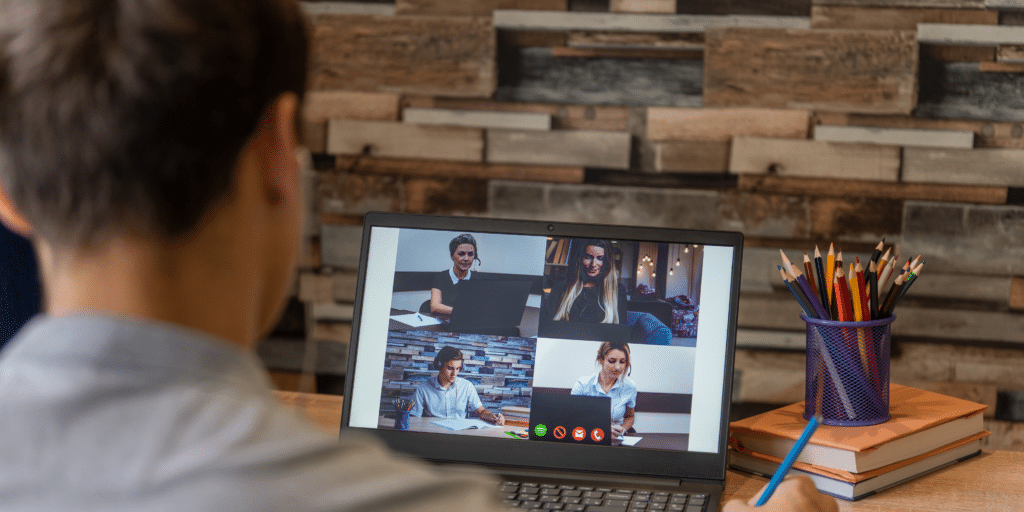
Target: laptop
[(489, 306), (675, 397)]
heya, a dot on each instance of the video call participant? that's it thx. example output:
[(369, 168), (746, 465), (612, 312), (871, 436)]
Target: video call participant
[(611, 381), (444, 291), (446, 395), (143, 362), (592, 291)]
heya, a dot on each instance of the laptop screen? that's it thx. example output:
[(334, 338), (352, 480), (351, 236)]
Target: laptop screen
[(556, 337)]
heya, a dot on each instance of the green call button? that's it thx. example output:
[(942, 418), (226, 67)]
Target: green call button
[(541, 430)]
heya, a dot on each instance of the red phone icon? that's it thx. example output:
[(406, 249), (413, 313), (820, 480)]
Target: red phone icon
[(559, 432), (579, 433), (597, 435)]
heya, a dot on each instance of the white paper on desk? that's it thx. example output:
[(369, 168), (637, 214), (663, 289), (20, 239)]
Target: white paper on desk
[(457, 424), (415, 320), (630, 440)]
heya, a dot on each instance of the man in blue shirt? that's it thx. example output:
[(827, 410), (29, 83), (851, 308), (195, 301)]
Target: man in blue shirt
[(446, 395)]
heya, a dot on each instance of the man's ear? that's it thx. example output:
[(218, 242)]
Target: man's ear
[(12, 217), (281, 143)]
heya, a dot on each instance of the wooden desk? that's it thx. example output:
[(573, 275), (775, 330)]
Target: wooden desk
[(990, 482)]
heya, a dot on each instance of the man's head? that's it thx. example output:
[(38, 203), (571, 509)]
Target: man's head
[(127, 117), (449, 363)]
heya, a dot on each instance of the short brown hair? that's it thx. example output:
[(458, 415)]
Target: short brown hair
[(447, 354), (128, 116)]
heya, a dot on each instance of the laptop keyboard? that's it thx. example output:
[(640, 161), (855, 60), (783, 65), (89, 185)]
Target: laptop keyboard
[(575, 498)]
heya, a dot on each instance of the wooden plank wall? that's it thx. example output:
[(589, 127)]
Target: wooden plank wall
[(798, 122)]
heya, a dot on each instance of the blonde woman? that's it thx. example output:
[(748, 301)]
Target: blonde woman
[(591, 292)]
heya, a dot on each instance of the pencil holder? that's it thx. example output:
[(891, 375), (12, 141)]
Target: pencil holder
[(401, 419), (848, 371)]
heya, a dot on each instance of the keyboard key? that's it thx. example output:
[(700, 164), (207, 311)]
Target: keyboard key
[(508, 488), (548, 486), (658, 498), (569, 487), (572, 493), (549, 499), (593, 494), (694, 508), (527, 497), (531, 504), (529, 484), (529, 490), (553, 506), (605, 508), (593, 501), (572, 501), (618, 496), (549, 492), (603, 489), (624, 491), (575, 508)]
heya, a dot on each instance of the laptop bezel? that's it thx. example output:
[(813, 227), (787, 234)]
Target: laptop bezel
[(523, 454)]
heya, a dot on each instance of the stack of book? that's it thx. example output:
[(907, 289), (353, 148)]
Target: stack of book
[(516, 416), (927, 431)]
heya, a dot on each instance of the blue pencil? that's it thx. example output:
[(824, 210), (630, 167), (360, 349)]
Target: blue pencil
[(787, 463)]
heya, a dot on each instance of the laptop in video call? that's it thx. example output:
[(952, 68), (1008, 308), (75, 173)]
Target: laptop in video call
[(658, 307)]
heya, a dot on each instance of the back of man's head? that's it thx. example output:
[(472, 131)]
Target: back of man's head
[(126, 117)]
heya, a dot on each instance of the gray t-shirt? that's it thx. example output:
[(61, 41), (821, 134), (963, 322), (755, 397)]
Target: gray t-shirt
[(100, 413)]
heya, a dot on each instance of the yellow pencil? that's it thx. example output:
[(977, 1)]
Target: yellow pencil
[(830, 270)]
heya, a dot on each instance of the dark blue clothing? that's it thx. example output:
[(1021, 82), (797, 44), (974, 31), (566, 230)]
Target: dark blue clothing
[(20, 291)]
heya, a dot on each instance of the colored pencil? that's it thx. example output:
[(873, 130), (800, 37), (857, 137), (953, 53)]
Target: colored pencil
[(799, 300), (830, 269), (819, 267), (787, 463), (865, 308), (872, 276), (786, 263), (878, 251), (819, 310), (886, 272), (809, 272), (890, 298)]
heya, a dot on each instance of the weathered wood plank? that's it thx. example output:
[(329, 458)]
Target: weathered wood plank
[(965, 238), (930, 4), (332, 311), (773, 8), (541, 20), (537, 76), (644, 6), (398, 140), (637, 40), (324, 105), (968, 35), (807, 158), (314, 136), (956, 90), (691, 156), (895, 136), (446, 196), (473, 7), (450, 55), (1017, 294), (811, 69), (427, 169), (781, 312), (765, 184), (315, 287), (563, 117), (997, 167), (339, 245), (626, 53), (992, 289), (778, 340), (608, 150), (525, 38), (722, 124), (987, 134), (947, 53), (353, 195), (1001, 67), (1010, 53), (477, 118), (894, 18), (315, 9)]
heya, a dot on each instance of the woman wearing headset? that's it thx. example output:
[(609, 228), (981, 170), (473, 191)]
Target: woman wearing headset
[(446, 395)]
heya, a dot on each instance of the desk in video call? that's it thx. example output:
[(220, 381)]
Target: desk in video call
[(527, 326)]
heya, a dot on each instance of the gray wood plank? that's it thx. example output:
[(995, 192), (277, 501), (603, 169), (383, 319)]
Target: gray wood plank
[(932, 4), (960, 90), (812, 69), (339, 245), (691, 156), (399, 140), (895, 136), (1001, 167), (558, 21), (607, 150), (807, 158), (534, 75), (314, 9), (965, 238), (968, 35), (477, 118)]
